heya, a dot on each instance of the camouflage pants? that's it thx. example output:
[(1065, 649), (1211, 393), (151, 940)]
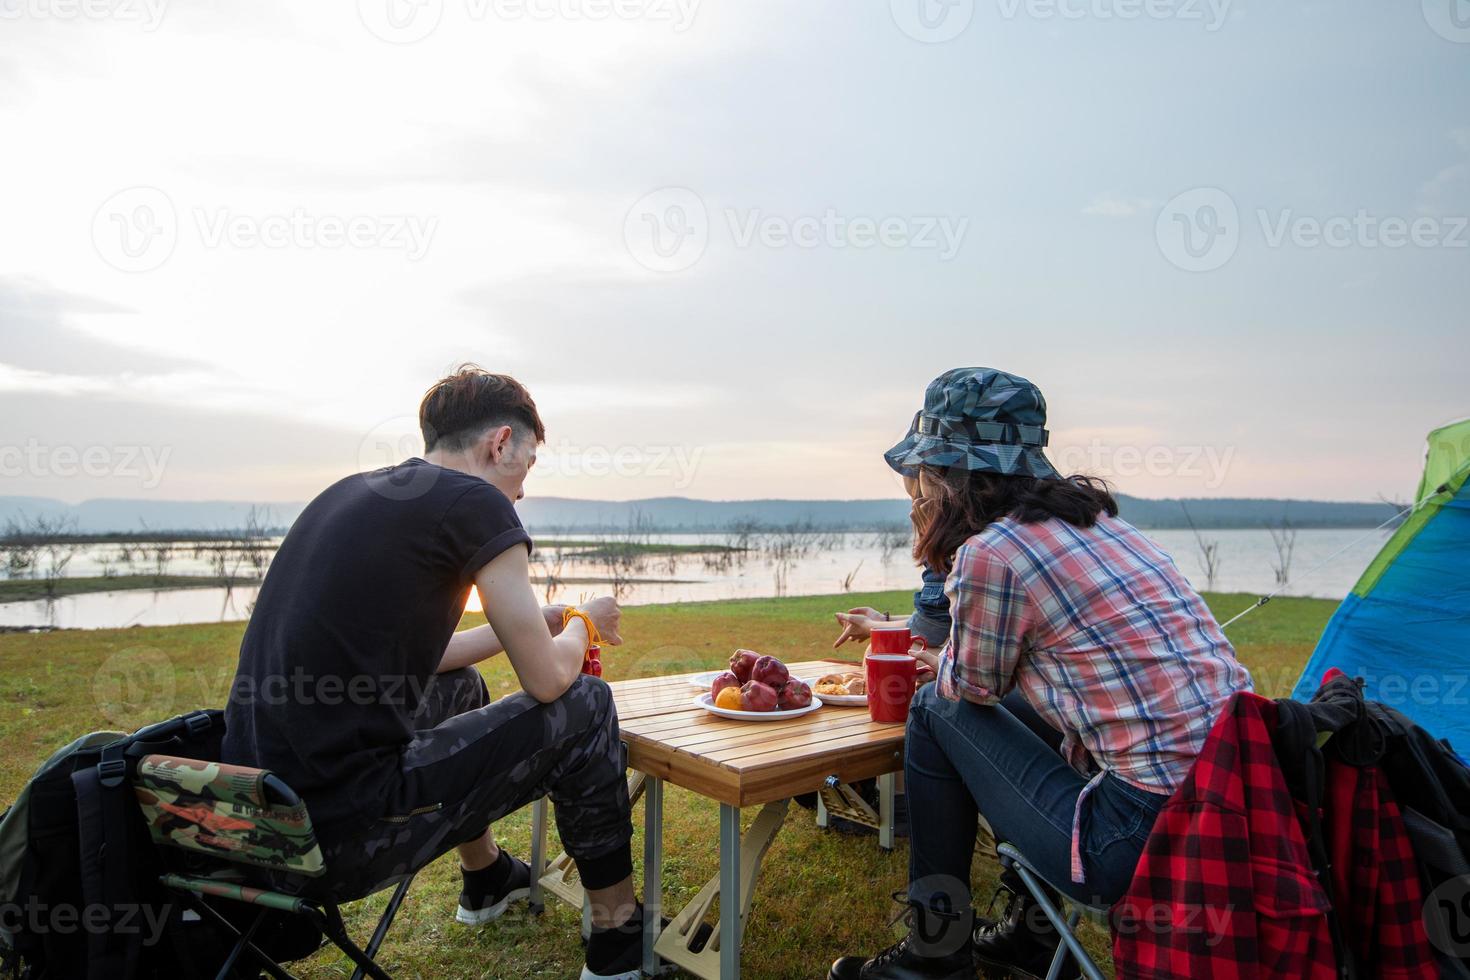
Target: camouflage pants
[(475, 761)]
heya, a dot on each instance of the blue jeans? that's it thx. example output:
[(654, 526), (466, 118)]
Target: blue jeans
[(964, 759)]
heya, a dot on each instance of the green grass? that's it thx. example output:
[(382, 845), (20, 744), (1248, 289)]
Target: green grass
[(821, 895), (26, 589)]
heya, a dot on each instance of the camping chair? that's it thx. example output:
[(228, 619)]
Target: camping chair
[(1013, 860), (246, 818)]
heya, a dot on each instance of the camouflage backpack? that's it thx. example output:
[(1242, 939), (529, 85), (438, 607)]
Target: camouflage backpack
[(79, 873)]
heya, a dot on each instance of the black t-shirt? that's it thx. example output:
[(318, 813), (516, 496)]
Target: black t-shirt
[(350, 624)]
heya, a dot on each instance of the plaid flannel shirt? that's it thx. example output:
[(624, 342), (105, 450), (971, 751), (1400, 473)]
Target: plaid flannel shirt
[(1226, 886), (1104, 637)]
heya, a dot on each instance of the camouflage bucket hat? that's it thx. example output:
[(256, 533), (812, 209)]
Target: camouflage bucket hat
[(980, 419)]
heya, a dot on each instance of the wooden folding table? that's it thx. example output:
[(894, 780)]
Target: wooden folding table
[(738, 764)]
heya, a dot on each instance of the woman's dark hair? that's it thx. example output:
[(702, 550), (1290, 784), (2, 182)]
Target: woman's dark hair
[(966, 501), (460, 408)]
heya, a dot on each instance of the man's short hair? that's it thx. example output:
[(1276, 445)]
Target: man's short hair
[(462, 407)]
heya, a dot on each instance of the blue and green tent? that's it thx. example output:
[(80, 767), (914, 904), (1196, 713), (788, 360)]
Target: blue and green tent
[(1405, 627)]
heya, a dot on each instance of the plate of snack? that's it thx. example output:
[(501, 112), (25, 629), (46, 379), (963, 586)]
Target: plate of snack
[(704, 680), (846, 688), (757, 688)]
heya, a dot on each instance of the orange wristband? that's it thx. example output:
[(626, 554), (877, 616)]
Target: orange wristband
[(571, 613)]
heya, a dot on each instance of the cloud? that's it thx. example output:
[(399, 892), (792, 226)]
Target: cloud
[(1116, 206), (37, 336), (1448, 191)]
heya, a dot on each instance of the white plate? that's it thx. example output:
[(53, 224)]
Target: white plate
[(846, 700), (705, 679), (704, 701)]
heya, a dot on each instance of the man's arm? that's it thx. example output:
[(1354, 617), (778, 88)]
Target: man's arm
[(545, 665), (480, 642)]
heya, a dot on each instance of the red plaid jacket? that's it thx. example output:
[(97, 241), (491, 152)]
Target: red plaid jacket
[(1225, 886)]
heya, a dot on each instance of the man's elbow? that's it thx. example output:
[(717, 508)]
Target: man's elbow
[(551, 689)]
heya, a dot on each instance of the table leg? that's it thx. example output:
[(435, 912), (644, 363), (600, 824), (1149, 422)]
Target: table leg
[(887, 790), (730, 897), (733, 888), (653, 865), (538, 854)]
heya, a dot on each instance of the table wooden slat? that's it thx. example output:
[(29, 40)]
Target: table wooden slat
[(746, 763)]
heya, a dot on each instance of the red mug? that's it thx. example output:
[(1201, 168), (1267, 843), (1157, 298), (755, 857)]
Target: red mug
[(894, 638), (890, 680)]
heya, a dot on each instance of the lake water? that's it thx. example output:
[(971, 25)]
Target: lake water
[(801, 564)]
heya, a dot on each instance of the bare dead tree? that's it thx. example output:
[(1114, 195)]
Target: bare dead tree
[(1209, 551), (41, 544), (889, 538), (21, 551), (847, 579), (1284, 540), (626, 554)]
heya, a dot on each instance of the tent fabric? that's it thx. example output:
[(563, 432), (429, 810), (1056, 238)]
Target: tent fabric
[(1405, 627)]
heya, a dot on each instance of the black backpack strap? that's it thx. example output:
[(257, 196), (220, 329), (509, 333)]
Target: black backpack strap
[(102, 833), (1305, 771)]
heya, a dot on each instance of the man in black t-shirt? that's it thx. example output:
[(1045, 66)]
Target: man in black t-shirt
[(354, 687)]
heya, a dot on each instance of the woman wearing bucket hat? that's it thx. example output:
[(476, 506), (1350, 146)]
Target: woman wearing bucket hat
[(1081, 677)]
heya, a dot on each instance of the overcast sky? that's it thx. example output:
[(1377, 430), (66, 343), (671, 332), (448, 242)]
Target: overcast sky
[(726, 243)]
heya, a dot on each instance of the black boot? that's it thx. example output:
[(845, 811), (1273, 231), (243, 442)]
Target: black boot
[(1022, 941), (936, 948)]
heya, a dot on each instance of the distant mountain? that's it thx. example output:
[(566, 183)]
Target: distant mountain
[(545, 514)]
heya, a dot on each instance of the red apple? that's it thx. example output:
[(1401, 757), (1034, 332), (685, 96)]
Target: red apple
[(727, 679), (796, 694), (770, 671), (742, 662), (758, 697)]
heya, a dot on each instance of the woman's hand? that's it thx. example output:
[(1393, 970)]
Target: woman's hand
[(857, 624), (928, 660)]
